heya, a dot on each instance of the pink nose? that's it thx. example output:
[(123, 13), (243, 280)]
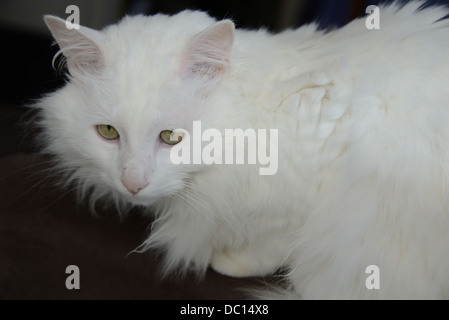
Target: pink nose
[(133, 181)]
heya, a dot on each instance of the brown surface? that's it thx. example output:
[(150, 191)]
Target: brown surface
[(43, 230)]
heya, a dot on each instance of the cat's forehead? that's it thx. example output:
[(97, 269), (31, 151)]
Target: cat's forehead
[(142, 56), (145, 50), (155, 34)]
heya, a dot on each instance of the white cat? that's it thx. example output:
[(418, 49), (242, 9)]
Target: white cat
[(363, 146)]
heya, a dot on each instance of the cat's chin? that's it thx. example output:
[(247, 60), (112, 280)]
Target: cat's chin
[(137, 200)]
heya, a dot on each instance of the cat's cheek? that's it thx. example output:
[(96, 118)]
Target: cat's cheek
[(162, 152)]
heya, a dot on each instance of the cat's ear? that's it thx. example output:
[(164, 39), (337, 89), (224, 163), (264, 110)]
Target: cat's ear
[(208, 54), (81, 46)]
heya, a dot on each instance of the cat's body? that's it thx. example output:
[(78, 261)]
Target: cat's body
[(363, 173)]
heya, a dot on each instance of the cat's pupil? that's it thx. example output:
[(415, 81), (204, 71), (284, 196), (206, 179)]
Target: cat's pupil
[(109, 128)]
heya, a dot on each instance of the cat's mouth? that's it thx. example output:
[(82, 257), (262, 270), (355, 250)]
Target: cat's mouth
[(144, 197)]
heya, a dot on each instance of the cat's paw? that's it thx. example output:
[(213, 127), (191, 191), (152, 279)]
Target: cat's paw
[(240, 264)]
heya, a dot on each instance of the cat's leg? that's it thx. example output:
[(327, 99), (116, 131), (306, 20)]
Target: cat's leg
[(260, 259)]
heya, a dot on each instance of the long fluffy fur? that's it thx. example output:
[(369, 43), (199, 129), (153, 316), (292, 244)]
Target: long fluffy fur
[(363, 149)]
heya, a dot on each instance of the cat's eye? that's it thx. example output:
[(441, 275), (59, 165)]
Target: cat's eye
[(108, 132), (170, 137)]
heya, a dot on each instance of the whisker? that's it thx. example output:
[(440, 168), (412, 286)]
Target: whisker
[(64, 194)]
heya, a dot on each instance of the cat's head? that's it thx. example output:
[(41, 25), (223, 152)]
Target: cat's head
[(126, 85)]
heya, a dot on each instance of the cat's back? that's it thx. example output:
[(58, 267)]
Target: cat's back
[(397, 77), (381, 95)]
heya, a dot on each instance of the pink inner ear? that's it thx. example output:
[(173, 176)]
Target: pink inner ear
[(209, 52), (82, 47)]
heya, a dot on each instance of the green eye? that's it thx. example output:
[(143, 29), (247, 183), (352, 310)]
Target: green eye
[(170, 138), (108, 132)]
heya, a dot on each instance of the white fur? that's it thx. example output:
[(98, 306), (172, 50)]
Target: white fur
[(363, 149)]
